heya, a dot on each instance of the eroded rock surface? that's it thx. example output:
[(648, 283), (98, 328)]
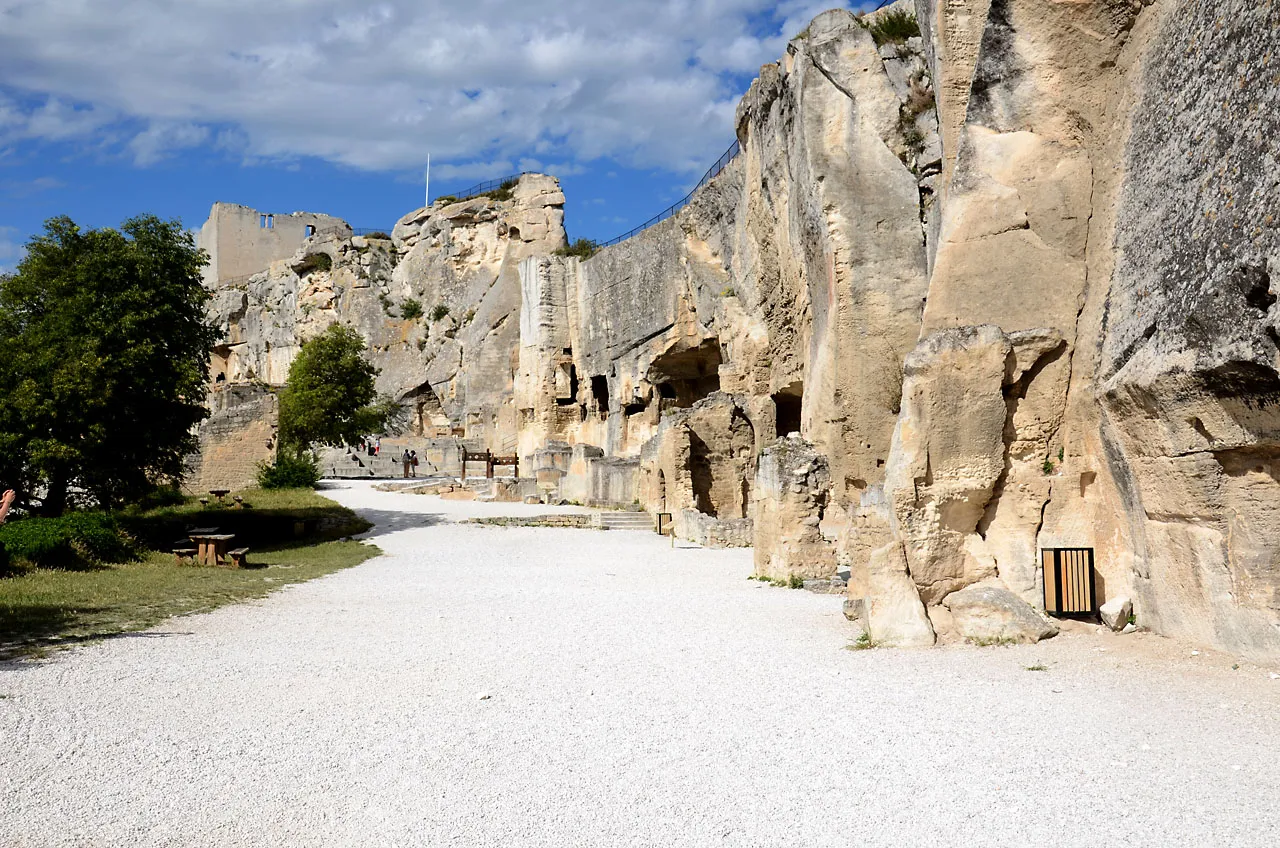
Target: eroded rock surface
[(962, 298)]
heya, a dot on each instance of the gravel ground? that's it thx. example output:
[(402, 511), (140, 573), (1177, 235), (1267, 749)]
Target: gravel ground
[(639, 695)]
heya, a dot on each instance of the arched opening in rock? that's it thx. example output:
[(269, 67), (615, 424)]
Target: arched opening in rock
[(700, 475), (686, 376), (426, 413), (787, 403)]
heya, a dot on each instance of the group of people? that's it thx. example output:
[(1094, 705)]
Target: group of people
[(410, 462)]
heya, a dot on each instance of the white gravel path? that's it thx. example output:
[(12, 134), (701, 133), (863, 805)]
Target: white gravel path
[(640, 696)]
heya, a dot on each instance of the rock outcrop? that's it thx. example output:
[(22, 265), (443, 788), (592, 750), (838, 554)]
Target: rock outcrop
[(437, 300), (962, 298)]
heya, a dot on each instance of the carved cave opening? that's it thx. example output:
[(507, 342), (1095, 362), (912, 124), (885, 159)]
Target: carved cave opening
[(600, 392), (686, 376), (426, 412), (566, 384), (787, 403)]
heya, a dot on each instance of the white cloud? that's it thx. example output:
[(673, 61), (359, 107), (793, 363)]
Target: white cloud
[(653, 83)]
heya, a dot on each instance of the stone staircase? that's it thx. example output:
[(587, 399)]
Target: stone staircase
[(612, 520)]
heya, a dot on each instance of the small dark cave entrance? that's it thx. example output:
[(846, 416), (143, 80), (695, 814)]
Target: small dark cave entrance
[(600, 391), (787, 404)]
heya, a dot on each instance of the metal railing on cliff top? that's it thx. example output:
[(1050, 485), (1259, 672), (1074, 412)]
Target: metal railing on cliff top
[(711, 174), (490, 185), (484, 187)]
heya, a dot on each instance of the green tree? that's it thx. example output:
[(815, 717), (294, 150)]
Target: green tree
[(105, 351), (330, 398)]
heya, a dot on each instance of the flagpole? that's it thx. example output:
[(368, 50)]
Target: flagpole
[(428, 189)]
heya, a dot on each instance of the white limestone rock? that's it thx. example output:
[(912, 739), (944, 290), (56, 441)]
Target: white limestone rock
[(1115, 612), (988, 614)]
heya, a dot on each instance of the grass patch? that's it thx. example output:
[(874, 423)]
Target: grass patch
[(795, 581), (292, 534), (45, 609), (1037, 667), (862, 643), (994, 642)]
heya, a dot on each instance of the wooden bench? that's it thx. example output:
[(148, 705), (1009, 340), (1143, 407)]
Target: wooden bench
[(239, 557), (184, 556)]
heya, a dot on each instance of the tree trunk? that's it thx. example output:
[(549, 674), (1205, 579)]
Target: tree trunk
[(55, 500)]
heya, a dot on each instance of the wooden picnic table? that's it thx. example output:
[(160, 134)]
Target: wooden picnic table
[(219, 493), (211, 548)]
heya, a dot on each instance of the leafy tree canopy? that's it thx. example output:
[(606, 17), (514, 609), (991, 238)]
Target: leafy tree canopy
[(105, 351), (329, 398)]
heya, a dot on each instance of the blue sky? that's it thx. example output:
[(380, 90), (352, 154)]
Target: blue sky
[(113, 109)]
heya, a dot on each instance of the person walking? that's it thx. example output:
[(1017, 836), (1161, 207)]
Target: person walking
[(405, 460), (413, 463)]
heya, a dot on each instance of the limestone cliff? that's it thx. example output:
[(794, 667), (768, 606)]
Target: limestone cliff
[(962, 299), (437, 300)]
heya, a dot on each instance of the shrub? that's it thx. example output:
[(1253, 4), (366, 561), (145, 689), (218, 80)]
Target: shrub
[(411, 309), (315, 262), (445, 200), (582, 248), (440, 312), (168, 495), (795, 581), (503, 191), (379, 235), (894, 26), (300, 471), (74, 540)]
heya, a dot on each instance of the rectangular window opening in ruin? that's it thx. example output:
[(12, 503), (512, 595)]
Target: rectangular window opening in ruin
[(566, 384), (787, 403), (311, 230), (600, 391), (1069, 582)]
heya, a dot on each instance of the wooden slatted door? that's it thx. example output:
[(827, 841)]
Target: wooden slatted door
[(1068, 581)]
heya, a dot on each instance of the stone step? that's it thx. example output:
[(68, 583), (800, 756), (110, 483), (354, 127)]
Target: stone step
[(626, 521)]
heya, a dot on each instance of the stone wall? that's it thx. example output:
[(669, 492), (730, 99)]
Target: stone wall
[(239, 433), (242, 241)]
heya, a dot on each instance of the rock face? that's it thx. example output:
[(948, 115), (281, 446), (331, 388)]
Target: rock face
[(962, 298), (438, 303)]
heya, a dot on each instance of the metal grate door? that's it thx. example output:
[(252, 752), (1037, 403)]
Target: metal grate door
[(1068, 581)]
